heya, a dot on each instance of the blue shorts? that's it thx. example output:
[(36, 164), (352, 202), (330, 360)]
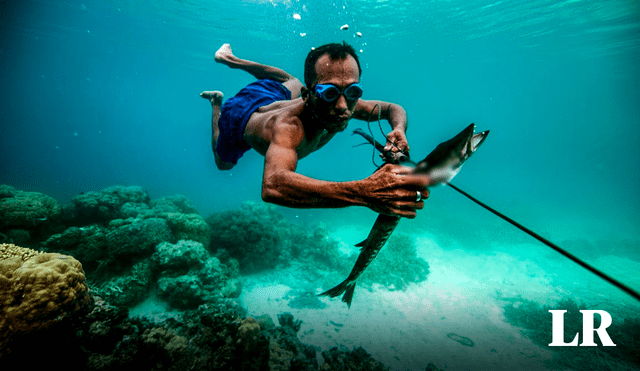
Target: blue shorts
[(236, 112)]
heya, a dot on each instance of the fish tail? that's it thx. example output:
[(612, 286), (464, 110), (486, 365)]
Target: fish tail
[(348, 294), (347, 287), (336, 291)]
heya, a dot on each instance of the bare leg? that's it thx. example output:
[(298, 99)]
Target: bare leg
[(225, 56), (215, 97)]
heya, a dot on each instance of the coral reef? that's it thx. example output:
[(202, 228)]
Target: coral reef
[(252, 235), (179, 257), (135, 238), (113, 229), (7, 191), (25, 215), (286, 320), (129, 289), (37, 290), (356, 360), (397, 265), (535, 321), (260, 239), (189, 277), (311, 248), (286, 352), (27, 209), (252, 345), (8, 251), (134, 249), (87, 244), (105, 205), (132, 246), (173, 204), (212, 337), (187, 227)]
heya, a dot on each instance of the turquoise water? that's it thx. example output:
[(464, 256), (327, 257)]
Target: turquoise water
[(98, 93)]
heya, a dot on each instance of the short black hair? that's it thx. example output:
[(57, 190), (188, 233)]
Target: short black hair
[(335, 51)]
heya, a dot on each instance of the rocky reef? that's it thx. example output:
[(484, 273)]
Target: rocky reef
[(212, 337), (397, 265), (260, 239), (25, 215), (84, 266)]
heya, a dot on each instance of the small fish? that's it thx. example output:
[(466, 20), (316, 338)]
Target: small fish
[(39, 220), (440, 166)]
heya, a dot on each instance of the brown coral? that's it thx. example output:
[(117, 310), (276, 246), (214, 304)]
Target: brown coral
[(8, 250), (37, 289), (251, 346)]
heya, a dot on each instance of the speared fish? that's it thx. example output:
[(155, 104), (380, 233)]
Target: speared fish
[(440, 166)]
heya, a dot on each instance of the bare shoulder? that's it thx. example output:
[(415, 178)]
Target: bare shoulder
[(278, 123), (287, 129)]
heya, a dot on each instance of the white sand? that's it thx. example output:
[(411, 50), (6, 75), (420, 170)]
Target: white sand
[(408, 329)]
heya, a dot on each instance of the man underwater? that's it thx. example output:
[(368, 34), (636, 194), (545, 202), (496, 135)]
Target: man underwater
[(285, 121)]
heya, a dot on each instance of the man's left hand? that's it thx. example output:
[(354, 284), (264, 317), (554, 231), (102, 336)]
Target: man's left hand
[(397, 142)]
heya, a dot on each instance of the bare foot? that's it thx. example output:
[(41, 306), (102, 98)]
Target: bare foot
[(215, 97), (224, 54)]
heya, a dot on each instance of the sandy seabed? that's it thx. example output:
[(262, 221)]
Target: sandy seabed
[(462, 299)]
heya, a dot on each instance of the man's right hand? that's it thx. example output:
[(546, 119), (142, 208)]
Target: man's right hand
[(393, 190)]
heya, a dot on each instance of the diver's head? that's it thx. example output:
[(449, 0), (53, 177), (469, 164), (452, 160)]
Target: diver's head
[(332, 78)]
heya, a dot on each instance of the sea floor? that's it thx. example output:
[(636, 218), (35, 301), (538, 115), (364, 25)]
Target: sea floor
[(455, 319)]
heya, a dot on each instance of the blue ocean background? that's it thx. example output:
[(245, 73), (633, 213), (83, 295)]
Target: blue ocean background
[(101, 93)]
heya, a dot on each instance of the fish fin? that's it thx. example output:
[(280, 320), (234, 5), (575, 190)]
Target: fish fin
[(348, 294), (361, 244), (336, 291), (347, 287)]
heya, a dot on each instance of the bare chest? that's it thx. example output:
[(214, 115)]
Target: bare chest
[(314, 142)]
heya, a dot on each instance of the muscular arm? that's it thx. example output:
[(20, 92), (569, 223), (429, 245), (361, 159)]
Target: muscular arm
[(367, 110), (283, 186), (396, 115), (387, 191)]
